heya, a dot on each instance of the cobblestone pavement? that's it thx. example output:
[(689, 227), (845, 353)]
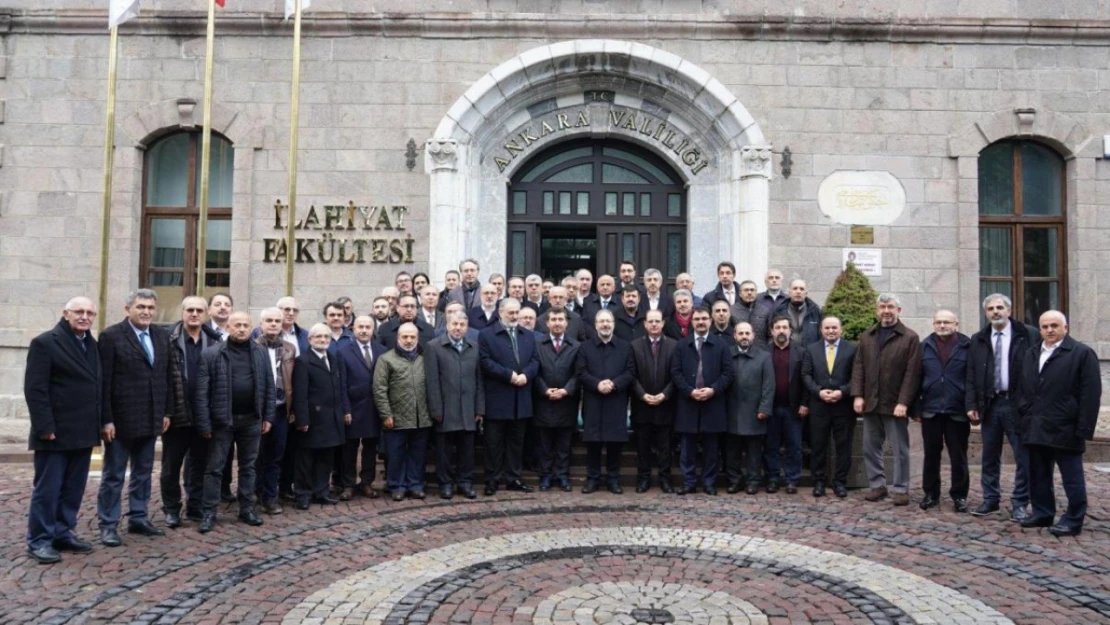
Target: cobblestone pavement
[(549, 558)]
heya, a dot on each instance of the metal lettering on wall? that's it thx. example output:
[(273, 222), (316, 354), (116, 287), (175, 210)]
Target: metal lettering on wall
[(337, 240), (625, 119)]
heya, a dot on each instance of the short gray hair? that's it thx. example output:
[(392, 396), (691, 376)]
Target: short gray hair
[(995, 296), (319, 328), (606, 312), (887, 298), (653, 272), (141, 294), (683, 293), (508, 301), (272, 310), (458, 314)]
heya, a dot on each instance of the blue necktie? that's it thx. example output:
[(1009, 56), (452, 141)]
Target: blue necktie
[(144, 338)]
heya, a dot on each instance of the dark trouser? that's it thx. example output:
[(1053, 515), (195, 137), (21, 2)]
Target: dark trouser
[(177, 444), (841, 429), (289, 460), (998, 423), (688, 455), (744, 459), (938, 432), (369, 456), (244, 432), (406, 451), (555, 452), (504, 446), (455, 458), (60, 478), (1041, 461), (784, 431), (653, 447), (140, 453), (271, 456), (612, 462), (312, 469)]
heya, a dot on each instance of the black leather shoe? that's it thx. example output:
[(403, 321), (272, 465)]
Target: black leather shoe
[(734, 488), (468, 493), (173, 519), (399, 496), (643, 486), (144, 528), (686, 490), (207, 523), (1017, 515), (711, 491), (819, 489), (791, 489), (1063, 530), (928, 502), (490, 491), (417, 494), (752, 489), (301, 504), (109, 537), (272, 507), (45, 554), (250, 518), (772, 488), (1031, 521), (840, 490), (565, 485), (545, 484), (615, 488), (590, 487), (446, 493), (519, 486), (665, 486), (73, 545), (985, 508), (326, 500), (960, 504)]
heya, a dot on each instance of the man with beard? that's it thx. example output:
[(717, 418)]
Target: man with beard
[(381, 310), (679, 325), (758, 314), (750, 403), (468, 290), (652, 404), (456, 402), (783, 454), (605, 372), (219, 311), (803, 313), (360, 357), (401, 396), (407, 308), (630, 320), (273, 446), (944, 420)]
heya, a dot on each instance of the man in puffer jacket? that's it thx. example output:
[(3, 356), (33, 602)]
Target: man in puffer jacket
[(400, 394)]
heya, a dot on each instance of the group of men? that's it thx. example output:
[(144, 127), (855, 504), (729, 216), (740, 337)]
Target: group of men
[(307, 412)]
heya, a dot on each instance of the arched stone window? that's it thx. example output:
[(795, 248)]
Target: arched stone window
[(1022, 226), (171, 200)]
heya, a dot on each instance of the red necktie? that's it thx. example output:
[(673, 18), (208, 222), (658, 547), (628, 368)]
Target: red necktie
[(558, 345)]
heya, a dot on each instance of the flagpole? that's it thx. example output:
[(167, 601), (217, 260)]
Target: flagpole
[(109, 153), (206, 151), (294, 115)]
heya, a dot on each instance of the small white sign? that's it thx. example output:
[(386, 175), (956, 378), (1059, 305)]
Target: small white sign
[(868, 261)]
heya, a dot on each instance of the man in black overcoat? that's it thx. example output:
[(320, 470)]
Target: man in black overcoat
[(827, 375), (556, 398), (1060, 396), (323, 412), (629, 322), (62, 386), (605, 373), (360, 357), (407, 312), (138, 399), (652, 405)]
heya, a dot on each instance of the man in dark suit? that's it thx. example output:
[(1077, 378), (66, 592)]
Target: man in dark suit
[(726, 289), (701, 372), (652, 405), (1060, 395), (654, 297), (721, 322), (450, 281), (804, 314), (406, 313), (629, 323), (509, 363), (468, 291), (827, 375), (575, 327), (626, 275), (429, 311), (605, 373), (359, 359), (783, 453), (272, 449), (556, 397), (604, 299), (62, 386), (335, 317), (138, 399), (485, 314), (450, 309), (533, 294), (236, 394), (993, 374), (322, 412), (457, 404)]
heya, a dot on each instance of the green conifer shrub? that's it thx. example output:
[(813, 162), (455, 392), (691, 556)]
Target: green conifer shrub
[(852, 300)]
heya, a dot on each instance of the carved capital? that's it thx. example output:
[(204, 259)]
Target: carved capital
[(440, 154), (185, 109), (756, 160)]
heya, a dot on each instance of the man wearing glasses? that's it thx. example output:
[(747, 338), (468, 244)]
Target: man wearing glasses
[(62, 387), (407, 308)]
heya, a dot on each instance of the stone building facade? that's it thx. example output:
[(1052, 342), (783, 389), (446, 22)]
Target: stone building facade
[(743, 107)]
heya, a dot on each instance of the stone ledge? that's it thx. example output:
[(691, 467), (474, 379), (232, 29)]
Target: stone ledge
[(556, 27)]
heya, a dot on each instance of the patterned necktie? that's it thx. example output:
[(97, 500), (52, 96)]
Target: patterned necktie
[(458, 346), (367, 356), (730, 295), (699, 380), (655, 349), (997, 362), (144, 338), (830, 356), (558, 345), (512, 339)]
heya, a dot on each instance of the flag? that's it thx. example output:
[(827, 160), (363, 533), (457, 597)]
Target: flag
[(221, 3), (119, 11), (291, 7)]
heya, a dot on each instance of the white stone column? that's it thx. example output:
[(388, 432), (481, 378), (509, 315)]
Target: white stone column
[(750, 236), (445, 162)]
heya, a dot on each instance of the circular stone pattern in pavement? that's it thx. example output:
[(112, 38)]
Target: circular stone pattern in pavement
[(410, 588), (647, 603)]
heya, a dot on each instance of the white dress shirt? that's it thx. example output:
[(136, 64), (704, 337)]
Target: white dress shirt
[(1046, 353)]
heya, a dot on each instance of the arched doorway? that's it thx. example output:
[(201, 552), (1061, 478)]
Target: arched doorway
[(592, 204)]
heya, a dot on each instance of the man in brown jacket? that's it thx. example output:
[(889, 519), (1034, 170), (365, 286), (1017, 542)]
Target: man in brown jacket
[(886, 377)]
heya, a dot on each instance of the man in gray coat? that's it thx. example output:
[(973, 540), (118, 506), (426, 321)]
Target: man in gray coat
[(456, 402), (750, 401)]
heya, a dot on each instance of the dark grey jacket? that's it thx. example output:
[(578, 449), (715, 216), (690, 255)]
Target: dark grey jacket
[(454, 380), (213, 409), (752, 392)]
